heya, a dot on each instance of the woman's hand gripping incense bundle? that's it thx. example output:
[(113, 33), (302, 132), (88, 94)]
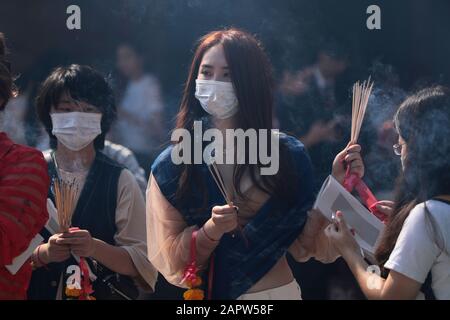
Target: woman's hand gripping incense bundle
[(66, 196), (221, 185), (191, 277), (361, 94)]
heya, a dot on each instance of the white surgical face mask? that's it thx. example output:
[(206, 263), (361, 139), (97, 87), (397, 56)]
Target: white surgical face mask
[(76, 130), (217, 98)]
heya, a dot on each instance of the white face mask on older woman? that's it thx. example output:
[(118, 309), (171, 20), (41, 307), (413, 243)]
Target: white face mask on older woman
[(76, 130)]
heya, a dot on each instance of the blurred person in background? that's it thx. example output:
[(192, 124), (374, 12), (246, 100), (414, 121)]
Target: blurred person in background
[(126, 157), (308, 109), (140, 126)]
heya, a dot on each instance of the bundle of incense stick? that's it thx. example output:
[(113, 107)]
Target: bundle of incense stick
[(221, 185), (66, 194), (361, 94)]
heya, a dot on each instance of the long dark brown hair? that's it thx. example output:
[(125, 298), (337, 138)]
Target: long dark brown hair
[(423, 121), (251, 76)]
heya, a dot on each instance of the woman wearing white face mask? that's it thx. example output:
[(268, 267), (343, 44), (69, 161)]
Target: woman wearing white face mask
[(76, 106), (230, 87), (217, 98)]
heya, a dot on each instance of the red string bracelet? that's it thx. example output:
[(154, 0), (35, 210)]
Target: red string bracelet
[(207, 236), (39, 258)]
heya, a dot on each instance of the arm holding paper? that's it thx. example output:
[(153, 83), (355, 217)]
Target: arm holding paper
[(312, 242), (396, 286), (360, 230)]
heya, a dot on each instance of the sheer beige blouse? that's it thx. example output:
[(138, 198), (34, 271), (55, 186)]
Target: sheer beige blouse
[(168, 235)]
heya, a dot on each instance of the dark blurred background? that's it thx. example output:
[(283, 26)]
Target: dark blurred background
[(413, 38)]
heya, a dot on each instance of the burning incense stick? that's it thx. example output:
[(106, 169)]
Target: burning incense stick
[(361, 94), (66, 194)]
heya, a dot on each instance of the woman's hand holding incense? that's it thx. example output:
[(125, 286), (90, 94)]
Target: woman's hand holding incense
[(350, 156), (52, 251), (224, 219), (80, 241)]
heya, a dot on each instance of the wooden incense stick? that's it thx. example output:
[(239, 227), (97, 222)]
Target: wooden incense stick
[(66, 194), (360, 99), (220, 184), (222, 188)]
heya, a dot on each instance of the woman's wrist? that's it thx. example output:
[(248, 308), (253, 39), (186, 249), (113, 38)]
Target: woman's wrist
[(211, 231), (41, 255), (351, 255), (208, 236), (338, 177), (96, 243)]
